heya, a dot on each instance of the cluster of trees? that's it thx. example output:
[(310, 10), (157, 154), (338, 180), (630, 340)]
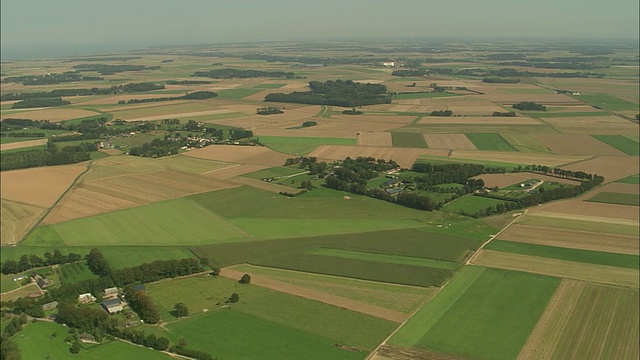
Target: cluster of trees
[(47, 157), (51, 79), (116, 89), (141, 304), (44, 102), (432, 175), (441, 113), (310, 163), (242, 74), (105, 69), (196, 95), (189, 82), (23, 134), (239, 133), (529, 106), (499, 80), (269, 110), (559, 172), (352, 174), (17, 124), (504, 114), (339, 93), (309, 123), (156, 148), (353, 111), (9, 350), (409, 72), (33, 261)]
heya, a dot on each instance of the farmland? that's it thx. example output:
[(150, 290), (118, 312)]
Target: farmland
[(622, 143), (616, 198), (490, 142)]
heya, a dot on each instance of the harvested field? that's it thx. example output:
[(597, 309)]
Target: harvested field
[(616, 198), (585, 320), (53, 115), (374, 138), (122, 192), (518, 158), (23, 144), (466, 105), (479, 120), (404, 157), (592, 125), (16, 219), (601, 274), (613, 187), (259, 184), (573, 239), (50, 182), (525, 143), (577, 207), (449, 141), (256, 155), (504, 180), (575, 144), (233, 171), (320, 296), (180, 115), (612, 168)]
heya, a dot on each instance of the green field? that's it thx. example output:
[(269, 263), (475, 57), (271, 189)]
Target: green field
[(525, 143), (586, 256), (622, 143), (489, 141), (570, 224), (269, 86), (389, 296), (35, 341), (616, 198), (420, 95), (488, 315), (470, 204), (301, 145), (236, 93), (408, 139), (633, 179), (9, 140), (393, 259), (608, 102)]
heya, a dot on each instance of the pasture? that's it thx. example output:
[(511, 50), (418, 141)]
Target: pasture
[(616, 198), (469, 204), (490, 141)]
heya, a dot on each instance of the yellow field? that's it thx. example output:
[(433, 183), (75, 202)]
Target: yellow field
[(16, 219)]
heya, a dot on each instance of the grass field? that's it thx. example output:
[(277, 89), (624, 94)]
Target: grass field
[(633, 179), (393, 259), (74, 272), (269, 86), (622, 143), (390, 296), (592, 257), (586, 321), (581, 225), (616, 198), (236, 93), (525, 143), (408, 139), (608, 102), (40, 333), (481, 314), (420, 95), (470, 204), (301, 145), (489, 141)]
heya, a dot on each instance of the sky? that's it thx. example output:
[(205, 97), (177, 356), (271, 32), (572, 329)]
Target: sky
[(52, 27)]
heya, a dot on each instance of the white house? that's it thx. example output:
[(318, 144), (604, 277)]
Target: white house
[(86, 298)]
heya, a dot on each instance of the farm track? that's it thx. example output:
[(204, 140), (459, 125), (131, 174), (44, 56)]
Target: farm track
[(334, 300)]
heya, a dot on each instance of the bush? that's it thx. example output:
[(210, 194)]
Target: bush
[(245, 279)]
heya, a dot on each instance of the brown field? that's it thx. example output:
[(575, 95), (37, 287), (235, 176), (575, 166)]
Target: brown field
[(16, 219), (612, 187), (504, 180), (405, 157), (256, 155), (90, 198), (589, 218), (600, 274), (23, 144), (516, 158), (51, 114), (611, 167), (584, 319), (509, 99), (339, 301), (233, 171), (21, 292), (449, 141), (306, 132), (39, 186), (169, 109), (572, 239), (575, 144), (388, 352), (590, 85), (374, 138), (592, 125), (180, 115), (479, 120), (410, 108), (577, 207)]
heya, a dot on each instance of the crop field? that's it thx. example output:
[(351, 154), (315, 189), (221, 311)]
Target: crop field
[(608, 102), (16, 219), (586, 224), (407, 139), (374, 138), (586, 320), (574, 239), (616, 198), (236, 93), (553, 252), (525, 143), (420, 95), (240, 154), (612, 168), (570, 144), (632, 179), (622, 143), (448, 141), (405, 157), (269, 86), (53, 115), (602, 274), (393, 259), (301, 145), (390, 296), (470, 204), (490, 141), (481, 314), (615, 212)]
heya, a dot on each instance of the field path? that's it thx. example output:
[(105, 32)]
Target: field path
[(320, 296)]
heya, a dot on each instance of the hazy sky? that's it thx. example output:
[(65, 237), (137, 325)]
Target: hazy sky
[(68, 24)]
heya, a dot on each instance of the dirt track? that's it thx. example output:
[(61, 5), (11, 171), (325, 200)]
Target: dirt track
[(339, 301)]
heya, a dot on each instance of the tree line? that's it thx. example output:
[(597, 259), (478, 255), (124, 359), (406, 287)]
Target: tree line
[(197, 95), (105, 69), (346, 93), (48, 157), (242, 74), (45, 102), (116, 89), (51, 79), (529, 106), (32, 261)]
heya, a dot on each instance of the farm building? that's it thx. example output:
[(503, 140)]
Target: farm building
[(112, 306), (50, 306), (111, 292), (394, 190), (21, 277), (86, 338), (86, 298), (43, 283)]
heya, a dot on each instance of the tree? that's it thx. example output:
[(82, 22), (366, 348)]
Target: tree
[(162, 343), (245, 279), (180, 310), (234, 298), (75, 348)]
